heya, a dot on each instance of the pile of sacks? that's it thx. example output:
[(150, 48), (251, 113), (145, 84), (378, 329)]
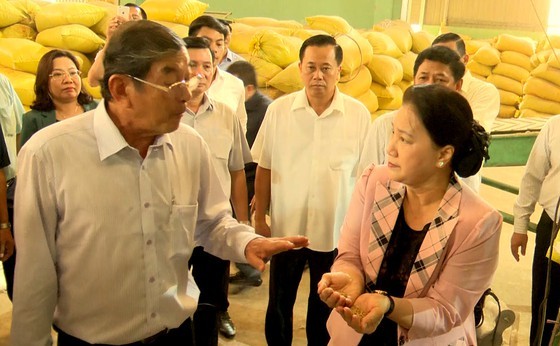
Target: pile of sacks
[(376, 68), (31, 28), (526, 74)]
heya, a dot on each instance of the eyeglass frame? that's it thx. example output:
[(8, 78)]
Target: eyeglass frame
[(168, 89), (64, 73)]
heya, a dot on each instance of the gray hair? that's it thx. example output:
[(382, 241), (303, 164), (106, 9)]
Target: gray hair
[(134, 47)]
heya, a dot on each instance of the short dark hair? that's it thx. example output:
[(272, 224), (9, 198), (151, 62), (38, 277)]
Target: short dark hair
[(209, 22), (199, 43), (321, 41), (142, 12), (443, 55), (244, 71), (448, 118), (135, 47), (452, 37), (227, 25), (43, 101)]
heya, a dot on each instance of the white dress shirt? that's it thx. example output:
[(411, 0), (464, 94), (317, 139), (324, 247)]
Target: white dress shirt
[(104, 236), (484, 99), (222, 131), (229, 89), (11, 111), (541, 181), (313, 161)]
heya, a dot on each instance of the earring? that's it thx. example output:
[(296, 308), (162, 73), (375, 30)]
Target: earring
[(440, 164)]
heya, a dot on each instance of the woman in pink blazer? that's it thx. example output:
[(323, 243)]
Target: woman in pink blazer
[(417, 248)]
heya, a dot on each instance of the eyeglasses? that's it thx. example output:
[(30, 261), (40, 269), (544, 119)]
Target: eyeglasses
[(175, 89), (61, 74)]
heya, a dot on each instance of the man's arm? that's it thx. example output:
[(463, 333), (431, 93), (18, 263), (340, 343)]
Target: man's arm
[(536, 169), (36, 284), (6, 240), (239, 195), (262, 200), (96, 71)]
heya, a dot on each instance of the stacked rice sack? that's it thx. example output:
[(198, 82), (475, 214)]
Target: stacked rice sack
[(377, 65), (395, 49), (41, 28), (541, 91), (177, 15), (513, 70)]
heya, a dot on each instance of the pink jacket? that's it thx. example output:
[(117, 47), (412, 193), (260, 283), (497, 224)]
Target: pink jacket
[(454, 266)]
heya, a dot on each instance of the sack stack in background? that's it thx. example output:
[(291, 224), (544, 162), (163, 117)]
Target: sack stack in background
[(377, 64), (377, 67), (512, 71), (541, 91)]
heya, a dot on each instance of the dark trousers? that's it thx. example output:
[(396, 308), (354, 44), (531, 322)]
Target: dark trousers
[(540, 262), (286, 270), (181, 336), (211, 275), (9, 265), (245, 268)]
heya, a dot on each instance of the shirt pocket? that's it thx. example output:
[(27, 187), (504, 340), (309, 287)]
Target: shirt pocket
[(220, 143)]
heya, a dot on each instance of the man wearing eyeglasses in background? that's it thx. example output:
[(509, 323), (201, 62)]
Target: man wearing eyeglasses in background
[(221, 129), (112, 204), (228, 89), (95, 73)]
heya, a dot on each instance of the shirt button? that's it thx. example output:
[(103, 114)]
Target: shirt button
[(146, 205), (153, 315), (149, 242), (152, 279)]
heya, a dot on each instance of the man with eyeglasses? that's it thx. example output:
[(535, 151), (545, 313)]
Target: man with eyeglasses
[(221, 129), (228, 89), (225, 87), (114, 201)]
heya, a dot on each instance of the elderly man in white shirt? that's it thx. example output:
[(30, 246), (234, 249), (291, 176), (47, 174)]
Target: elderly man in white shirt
[(221, 129), (114, 201), (540, 184), (307, 150)]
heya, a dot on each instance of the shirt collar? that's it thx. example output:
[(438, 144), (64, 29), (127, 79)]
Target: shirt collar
[(109, 139), (301, 101), (206, 106)]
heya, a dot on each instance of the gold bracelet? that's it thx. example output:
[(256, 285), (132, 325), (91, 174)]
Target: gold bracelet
[(5, 225)]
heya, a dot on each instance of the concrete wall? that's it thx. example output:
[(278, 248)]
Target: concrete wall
[(360, 14)]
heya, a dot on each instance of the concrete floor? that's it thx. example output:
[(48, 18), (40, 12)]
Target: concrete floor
[(512, 284)]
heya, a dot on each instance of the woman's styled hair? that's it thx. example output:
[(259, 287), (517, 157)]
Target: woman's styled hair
[(448, 118), (43, 101)]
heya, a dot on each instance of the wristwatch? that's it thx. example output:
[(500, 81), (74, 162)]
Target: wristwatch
[(391, 301), (5, 225)]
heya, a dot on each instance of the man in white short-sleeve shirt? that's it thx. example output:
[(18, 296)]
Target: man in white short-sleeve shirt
[(307, 150)]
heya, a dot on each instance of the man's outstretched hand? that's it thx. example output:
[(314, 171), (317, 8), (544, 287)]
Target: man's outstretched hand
[(259, 250)]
